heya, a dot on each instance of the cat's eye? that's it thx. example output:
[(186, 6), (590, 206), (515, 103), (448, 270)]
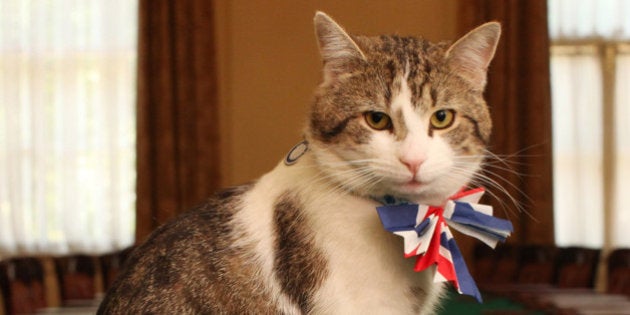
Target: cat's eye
[(442, 119), (378, 120)]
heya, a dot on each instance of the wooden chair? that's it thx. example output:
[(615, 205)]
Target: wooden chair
[(4, 288), (484, 263), (576, 267), (25, 277), (111, 266), (619, 272), (536, 264), (506, 266), (76, 276)]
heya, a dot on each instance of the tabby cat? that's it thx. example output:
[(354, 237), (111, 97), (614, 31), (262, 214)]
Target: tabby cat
[(393, 116)]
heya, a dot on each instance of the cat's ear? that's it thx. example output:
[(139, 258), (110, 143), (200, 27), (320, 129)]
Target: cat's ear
[(471, 54), (337, 48)]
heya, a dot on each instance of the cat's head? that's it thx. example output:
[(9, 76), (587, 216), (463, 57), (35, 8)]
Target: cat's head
[(399, 115)]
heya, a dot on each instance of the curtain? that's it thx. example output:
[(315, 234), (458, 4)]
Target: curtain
[(518, 93), (577, 128), (621, 217), (592, 19), (67, 127), (178, 127), (590, 64)]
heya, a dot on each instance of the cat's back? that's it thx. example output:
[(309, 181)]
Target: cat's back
[(194, 264)]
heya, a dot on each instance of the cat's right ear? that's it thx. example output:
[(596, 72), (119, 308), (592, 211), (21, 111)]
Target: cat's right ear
[(337, 48)]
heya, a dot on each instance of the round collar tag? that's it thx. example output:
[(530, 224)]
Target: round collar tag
[(296, 152)]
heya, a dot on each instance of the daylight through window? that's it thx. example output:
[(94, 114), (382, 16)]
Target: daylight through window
[(67, 126), (590, 69)]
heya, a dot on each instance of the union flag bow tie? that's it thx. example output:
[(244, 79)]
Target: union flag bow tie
[(426, 234)]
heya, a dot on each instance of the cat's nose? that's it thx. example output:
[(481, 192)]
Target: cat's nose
[(413, 165)]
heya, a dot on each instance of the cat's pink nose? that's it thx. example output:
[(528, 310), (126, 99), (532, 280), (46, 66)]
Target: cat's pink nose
[(413, 165)]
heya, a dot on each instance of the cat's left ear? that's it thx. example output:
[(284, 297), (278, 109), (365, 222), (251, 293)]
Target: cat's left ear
[(470, 55), (337, 48)]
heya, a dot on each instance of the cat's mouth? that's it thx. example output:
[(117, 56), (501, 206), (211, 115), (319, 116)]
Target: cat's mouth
[(412, 185)]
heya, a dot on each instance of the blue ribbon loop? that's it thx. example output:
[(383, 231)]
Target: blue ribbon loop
[(467, 284), (398, 218), (465, 214), (422, 227)]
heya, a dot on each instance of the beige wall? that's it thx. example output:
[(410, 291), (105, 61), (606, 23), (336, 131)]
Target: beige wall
[(269, 65)]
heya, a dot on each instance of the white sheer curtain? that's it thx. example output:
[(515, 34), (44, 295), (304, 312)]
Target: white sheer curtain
[(571, 19), (590, 68), (621, 215), (577, 138), (67, 126)]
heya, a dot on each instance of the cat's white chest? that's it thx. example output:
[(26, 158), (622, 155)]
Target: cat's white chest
[(367, 271)]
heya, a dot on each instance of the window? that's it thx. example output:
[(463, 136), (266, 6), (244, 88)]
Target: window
[(67, 126), (590, 69)]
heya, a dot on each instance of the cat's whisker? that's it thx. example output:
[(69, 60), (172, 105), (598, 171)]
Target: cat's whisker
[(494, 171), (520, 152), (511, 160), (489, 168), (360, 177), (484, 180), (495, 163), (509, 183), (488, 159), (370, 176), (506, 164), (475, 178), (335, 164)]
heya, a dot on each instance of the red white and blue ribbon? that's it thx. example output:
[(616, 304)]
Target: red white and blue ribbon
[(426, 234)]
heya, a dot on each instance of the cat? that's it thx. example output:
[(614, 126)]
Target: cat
[(393, 116)]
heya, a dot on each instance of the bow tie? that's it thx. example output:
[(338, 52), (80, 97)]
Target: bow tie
[(426, 234)]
